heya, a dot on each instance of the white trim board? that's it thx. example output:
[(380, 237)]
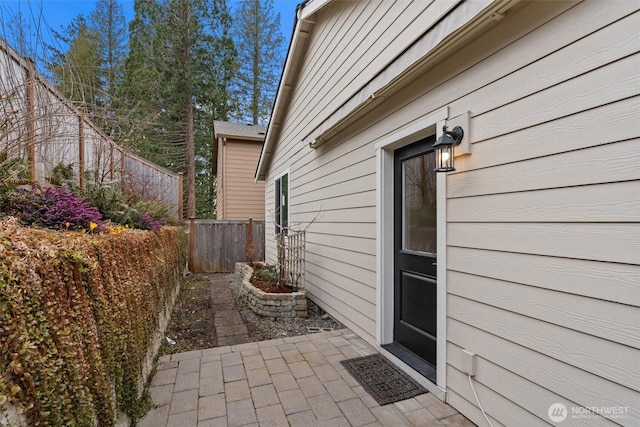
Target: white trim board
[(385, 146), (276, 177)]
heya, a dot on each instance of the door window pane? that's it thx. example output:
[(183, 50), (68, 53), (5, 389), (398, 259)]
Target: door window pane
[(419, 203)]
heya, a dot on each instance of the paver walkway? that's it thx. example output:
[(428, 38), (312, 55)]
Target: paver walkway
[(293, 381), (230, 329)]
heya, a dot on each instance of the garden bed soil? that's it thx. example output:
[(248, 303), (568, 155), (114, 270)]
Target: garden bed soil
[(269, 286), (192, 324)]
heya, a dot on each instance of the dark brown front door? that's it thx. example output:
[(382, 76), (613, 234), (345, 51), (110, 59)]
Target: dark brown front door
[(415, 321)]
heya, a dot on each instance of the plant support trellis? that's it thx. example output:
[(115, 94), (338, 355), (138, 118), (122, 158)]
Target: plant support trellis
[(291, 254)]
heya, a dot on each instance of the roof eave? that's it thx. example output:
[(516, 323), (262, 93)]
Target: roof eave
[(457, 26), (240, 137), (301, 31)]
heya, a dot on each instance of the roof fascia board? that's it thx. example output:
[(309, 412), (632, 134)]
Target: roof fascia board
[(310, 8), (440, 39), (302, 28), (240, 137)]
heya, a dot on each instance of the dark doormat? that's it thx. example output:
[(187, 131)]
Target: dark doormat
[(385, 382)]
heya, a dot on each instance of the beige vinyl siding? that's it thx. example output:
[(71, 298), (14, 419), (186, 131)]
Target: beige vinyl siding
[(220, 205), (243, 198), (543, 240), (336, 186), (335, 67)]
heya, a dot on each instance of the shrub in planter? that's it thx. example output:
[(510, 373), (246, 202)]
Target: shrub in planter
[(56, 207), (266, 273), (127, 208)]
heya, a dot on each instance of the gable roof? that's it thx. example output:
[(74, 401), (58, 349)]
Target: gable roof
[(461, 21), (238, 130), (302, 26)]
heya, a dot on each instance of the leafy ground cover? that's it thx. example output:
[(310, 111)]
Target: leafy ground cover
[(78, 313), (79, 300)]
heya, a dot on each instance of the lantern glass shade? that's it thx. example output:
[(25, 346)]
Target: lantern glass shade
[(444, 158), (444, 148)]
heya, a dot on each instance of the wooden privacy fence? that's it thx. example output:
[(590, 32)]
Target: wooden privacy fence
[(39, 125), (216, 245)]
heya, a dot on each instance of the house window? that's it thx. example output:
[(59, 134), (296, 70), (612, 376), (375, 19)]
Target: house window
[(282, 203)]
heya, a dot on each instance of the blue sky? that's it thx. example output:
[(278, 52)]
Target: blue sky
[(58, 13)]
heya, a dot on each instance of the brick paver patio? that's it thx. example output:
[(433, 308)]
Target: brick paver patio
[(294, 381)]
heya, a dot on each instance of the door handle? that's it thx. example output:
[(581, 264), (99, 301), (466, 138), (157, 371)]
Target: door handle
[(434, 263)]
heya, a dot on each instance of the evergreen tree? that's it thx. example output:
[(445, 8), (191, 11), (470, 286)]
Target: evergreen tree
[(216, 81), (182, 36), (107, 22), (91, 70), (214, 101), (138, 100), (175, 86), (76, 73), (260, 57)]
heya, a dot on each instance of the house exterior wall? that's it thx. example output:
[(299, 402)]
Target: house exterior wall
[(241, 197), (542, 218), (338, 189), (542, 232)]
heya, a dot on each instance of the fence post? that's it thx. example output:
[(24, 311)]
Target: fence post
[(31, 119), (110, 160), (81, 150), (192, 242), (122, 169), (180, 199)]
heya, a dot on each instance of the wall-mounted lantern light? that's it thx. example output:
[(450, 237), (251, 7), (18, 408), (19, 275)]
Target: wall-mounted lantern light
[(444, 148)]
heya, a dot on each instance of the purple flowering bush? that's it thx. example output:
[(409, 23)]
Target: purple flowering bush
[(144, 221), (57, 207), (61, 208)]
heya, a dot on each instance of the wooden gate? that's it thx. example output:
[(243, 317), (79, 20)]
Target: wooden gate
[(216, 245)]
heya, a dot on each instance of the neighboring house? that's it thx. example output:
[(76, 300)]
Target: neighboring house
[(236, 149), (531, 258)]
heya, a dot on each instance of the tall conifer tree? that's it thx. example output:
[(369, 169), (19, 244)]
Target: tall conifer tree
[(76, 73), (175, 80), (260, 47), (108, 23)]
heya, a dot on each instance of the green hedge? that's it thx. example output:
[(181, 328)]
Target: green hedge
[(77, 317)]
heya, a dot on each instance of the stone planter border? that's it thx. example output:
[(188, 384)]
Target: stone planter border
[(267, 304)]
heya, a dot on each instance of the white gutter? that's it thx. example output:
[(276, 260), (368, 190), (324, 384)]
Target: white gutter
[(302, 28), (240, 137)]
